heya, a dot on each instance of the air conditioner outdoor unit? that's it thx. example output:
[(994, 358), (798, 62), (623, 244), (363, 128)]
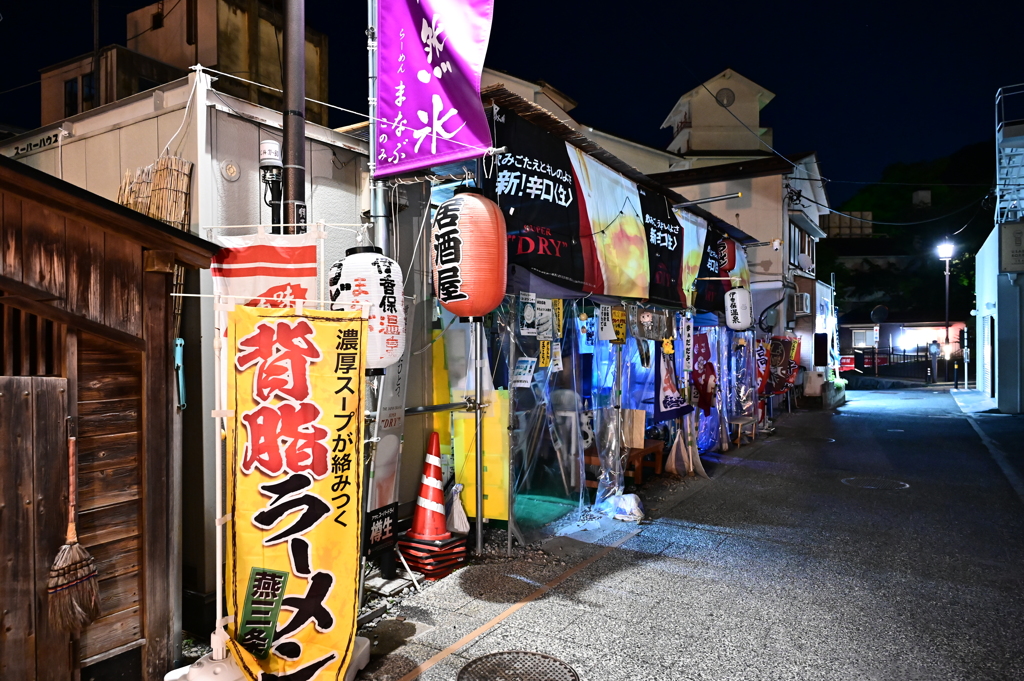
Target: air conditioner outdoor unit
[(802, 303), (813, 382)]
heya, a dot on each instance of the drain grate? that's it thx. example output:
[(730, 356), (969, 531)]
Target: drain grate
[(875, 483), (517, 665)]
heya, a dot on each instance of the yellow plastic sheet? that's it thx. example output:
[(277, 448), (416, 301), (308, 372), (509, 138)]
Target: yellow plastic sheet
[(495, 458)]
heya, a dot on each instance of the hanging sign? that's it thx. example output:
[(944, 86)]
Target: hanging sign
[(762, 354), (430, 55), (587, 335), (527, 314), (544, 354), (558, 309), (664, 247), (669, 403), (606, 331), (294, 490), (737, 309), (619, 324), (686, 335), (556, 356), (783, 366), (613, 234), (522, 377), (545, 319), (704, 377), (534, 185)]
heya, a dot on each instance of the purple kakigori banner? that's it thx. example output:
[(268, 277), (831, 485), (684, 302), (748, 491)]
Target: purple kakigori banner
[(430, 58)]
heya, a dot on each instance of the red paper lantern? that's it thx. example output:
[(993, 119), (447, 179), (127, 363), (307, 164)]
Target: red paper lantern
[(469, 256)]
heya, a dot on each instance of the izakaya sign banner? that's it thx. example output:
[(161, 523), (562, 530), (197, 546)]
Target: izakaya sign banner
[(430, 55), (723, 260), (294, 481)]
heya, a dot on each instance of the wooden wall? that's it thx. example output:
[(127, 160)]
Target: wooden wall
[(30, 345), (83, 302), (33, 517), (109, 406), (85, 270)]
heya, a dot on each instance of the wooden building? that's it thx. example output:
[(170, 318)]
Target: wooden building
[(86, 346)]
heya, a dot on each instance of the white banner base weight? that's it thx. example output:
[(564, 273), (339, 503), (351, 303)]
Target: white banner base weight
[(207, 669)]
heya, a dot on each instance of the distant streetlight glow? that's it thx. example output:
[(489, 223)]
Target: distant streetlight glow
[(945, 250)]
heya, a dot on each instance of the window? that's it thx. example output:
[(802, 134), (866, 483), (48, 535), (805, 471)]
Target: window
[(70, 97), (89, 93), (863, 338), (801, 243)]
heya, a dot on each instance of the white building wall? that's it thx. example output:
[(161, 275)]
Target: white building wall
[(125, 135), (986, 284)]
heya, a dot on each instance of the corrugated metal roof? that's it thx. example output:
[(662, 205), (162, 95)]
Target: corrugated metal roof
[(544, 119), (771, 165), (361, 131)]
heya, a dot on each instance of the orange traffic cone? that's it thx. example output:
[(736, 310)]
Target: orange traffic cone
[(428, 519)]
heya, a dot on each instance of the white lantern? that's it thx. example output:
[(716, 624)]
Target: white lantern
[(369, 281), (737, 309)]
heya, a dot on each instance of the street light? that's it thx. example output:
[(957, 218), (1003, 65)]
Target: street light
[(945, 250)]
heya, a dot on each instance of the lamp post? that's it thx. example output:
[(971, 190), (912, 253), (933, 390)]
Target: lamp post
[(945, 250)]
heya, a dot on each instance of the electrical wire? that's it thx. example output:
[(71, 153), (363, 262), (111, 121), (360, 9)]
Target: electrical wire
[(822, 178), (184, 118), (898, 224), (440, 336), (147, 30), (486, 151), (34, 82)]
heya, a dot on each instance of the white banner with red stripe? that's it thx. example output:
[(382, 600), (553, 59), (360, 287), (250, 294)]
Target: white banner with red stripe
[(266, 270)]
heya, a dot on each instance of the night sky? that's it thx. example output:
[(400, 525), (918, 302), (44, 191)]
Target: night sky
[(864, 84)]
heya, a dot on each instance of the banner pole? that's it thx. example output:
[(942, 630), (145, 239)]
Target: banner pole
[(218, 642), (378, 203), (478, 353)]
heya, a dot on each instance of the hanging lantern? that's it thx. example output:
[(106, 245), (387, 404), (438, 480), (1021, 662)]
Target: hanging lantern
[(367, 276), (737, 309), (469, 257)]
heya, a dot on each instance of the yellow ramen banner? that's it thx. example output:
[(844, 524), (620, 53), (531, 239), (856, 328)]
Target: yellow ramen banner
[(294, 481)]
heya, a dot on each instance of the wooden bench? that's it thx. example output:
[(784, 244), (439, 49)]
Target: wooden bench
[(637, 459), (742, 422)]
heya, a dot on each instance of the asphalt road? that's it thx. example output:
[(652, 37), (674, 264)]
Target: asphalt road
[(776, 568)]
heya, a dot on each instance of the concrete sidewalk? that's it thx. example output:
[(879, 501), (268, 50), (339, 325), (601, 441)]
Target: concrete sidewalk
[(792, 562), (1003, 434)]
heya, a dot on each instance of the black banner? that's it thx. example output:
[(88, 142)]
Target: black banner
[(710, 288), (664, 247), (379, 529), (534, 186)]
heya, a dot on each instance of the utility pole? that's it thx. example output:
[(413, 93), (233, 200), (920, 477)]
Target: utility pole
[(294, 171)]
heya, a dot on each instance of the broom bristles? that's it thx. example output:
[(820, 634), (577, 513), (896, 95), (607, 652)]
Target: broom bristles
[(74, 598)]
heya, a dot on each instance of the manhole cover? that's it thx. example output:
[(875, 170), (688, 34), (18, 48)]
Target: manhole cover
[(875, 483), (517, 665)]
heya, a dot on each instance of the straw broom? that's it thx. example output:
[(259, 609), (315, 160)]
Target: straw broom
[(72, 587)]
